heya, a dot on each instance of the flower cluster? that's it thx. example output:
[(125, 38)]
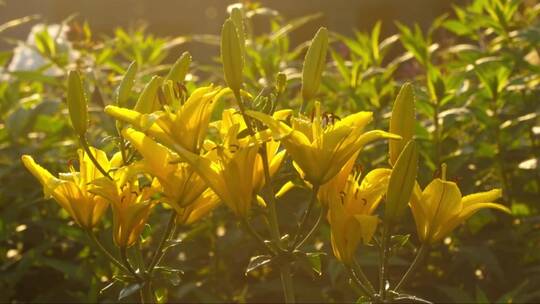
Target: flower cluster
[(172, 152)]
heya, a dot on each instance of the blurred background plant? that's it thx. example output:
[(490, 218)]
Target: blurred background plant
[(476, 74)]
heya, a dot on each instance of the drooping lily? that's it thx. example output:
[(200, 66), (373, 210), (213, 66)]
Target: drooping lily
[(440, 207), (185, 127), (320, 147), (183, 189), (131, 202), (350, 211), (70, 190)]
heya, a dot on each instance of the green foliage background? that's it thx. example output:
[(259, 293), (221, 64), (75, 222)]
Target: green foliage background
[(476, 74)]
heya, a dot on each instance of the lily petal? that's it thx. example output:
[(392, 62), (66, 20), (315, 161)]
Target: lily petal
[(368, 226)]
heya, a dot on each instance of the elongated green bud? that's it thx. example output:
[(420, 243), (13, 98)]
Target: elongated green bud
[(148, 100), (238, 19), (124, 90), (180, 68), (402, 121), (314, 63), (401, 183), (231, 56), (77, 103)]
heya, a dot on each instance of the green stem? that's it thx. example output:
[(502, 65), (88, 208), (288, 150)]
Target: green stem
[(273, 220), (500, 149), (360, 273), (125, 261), (287, 283), (240, 103), (121, 144), (159, 253), (257, 236), (146, 293), (285, 271), (100, 246), (363, 288), (419, 256), (437, 135), (86, 148), (384, 261), (303, 221), (534, 148), (284, 268), (313, 229)]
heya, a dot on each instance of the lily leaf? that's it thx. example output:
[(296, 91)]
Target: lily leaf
[(169, 275), (310, 261), (314, 259), (108, 286), (399, 241), (258, 261), (129, 290)]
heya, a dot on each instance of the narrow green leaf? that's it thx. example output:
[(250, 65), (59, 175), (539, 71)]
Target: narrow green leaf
[(128, 290), (108, 286), (341, 67), (258, 261), (375, 34), (400, 240), (17, 22), (314, 259)]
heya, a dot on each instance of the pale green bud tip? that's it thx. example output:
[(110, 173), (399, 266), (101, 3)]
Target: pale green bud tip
[(148, 100), (124, 90), (237, 18), (231, 56), (77, 104), (180, 68)]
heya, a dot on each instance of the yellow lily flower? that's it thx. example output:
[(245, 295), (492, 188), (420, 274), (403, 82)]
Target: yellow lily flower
[(337, 183), (199, 208), (228, 169), (183, 189), (321, 147), (275, 158), (231, 117), (131, 202), (70, 190), (185, 127), (350, 212), (440, 207)]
